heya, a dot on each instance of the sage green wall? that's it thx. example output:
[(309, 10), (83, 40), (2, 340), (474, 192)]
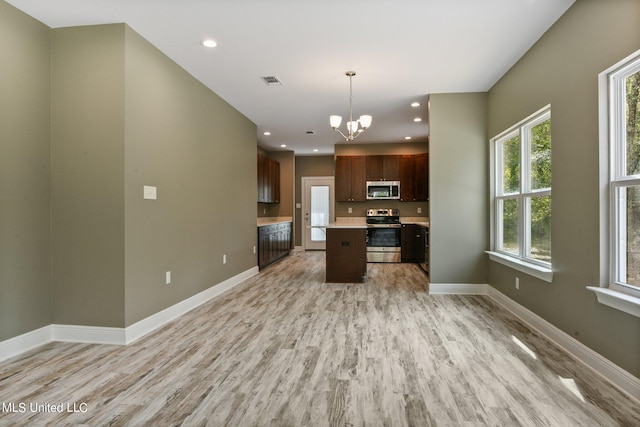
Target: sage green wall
[(87, 175), (25, 231), (90, 115), (200, 153), (458, 181), (561, 69)]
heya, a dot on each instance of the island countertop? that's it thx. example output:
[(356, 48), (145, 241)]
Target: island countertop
[(361, 222), (262, 221)]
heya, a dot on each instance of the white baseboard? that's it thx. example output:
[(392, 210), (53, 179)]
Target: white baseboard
[(25, 342), (457, 289), (101, 335), (598, 363), (88, 334), (116, 336), (155, 321)]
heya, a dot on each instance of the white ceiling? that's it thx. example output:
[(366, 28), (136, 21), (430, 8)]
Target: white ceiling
[(402, 50)]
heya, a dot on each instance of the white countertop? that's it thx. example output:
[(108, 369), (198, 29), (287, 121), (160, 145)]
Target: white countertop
[(417, 220), (361, 222), (273, 220), (344, 222)]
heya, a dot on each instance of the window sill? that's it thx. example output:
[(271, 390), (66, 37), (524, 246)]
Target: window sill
[(617, 300), (537, 271)]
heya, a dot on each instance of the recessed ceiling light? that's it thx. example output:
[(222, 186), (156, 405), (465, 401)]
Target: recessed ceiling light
[(415, 104), (417, 119), (407, 138), (267, 133), (209, 43), (283, 145), (315, 150)]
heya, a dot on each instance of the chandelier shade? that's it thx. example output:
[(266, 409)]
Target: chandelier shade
[(354, 127)]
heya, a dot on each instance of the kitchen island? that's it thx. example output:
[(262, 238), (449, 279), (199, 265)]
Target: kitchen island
[(347, 240), (346, 254)]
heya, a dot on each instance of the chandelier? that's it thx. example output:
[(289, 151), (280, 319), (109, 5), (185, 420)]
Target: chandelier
[(353, 130)]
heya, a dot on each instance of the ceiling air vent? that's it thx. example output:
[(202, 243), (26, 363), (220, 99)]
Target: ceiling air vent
[(271, 80)]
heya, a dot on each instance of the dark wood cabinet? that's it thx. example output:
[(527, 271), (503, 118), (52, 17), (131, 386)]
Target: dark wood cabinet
[(346, 255), (421, 178), (383, 168), (410, 239), (274, 243), (407, 174), (414, 178), (268, 180), (350, 179), (353, 172), (414, 243)]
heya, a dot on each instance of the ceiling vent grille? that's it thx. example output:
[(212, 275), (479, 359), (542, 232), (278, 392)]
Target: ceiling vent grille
[(271, 80)]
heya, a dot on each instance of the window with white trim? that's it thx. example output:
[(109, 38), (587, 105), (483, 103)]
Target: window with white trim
[(522, 183), (624, 176)]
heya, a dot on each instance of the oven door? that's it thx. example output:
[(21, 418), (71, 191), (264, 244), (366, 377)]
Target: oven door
[(383, 244)]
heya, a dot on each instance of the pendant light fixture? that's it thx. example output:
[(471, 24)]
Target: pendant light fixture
[(354, 127)]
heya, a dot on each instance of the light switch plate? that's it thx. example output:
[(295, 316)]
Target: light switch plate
[(150, 193)]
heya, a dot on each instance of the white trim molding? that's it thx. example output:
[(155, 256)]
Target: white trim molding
[(457, 289), (598, 363), (593, 360), (540, 272), (87, 334), (25, 342), (116, 336), (623, 302), (159, 319)]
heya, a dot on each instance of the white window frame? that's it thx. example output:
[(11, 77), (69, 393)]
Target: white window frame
[(613, 179), (522, 261)]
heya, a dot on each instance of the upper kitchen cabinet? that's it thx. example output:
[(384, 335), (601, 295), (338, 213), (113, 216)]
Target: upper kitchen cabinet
[(414, 175), (421, 177), (268, 180), (350, 179), (383, 168)]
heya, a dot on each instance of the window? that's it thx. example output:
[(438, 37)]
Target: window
[(522, 202), (624, 176), (619, 123)]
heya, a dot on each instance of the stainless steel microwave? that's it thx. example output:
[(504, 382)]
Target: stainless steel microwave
[(383, 190)]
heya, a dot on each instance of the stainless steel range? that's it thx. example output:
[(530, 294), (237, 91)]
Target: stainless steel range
[(383, 235)]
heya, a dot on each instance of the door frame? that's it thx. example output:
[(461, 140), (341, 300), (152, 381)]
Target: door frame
[(308, 181)]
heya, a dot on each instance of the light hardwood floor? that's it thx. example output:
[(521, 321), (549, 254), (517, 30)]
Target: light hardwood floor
[(286, 349)]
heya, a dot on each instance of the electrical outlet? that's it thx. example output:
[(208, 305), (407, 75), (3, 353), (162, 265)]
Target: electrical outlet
[(350, 210), (254, 249), (517, 283), (419, 210), (224, 259), (167, 277)]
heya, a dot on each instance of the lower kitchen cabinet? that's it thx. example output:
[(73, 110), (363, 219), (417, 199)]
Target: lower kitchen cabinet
[(415, 245), (346, 255), (274, 243)]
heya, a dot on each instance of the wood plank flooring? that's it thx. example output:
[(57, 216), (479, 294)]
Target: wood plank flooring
[(286, 349)]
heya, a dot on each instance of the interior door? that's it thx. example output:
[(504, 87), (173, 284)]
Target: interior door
[(317, 211)]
